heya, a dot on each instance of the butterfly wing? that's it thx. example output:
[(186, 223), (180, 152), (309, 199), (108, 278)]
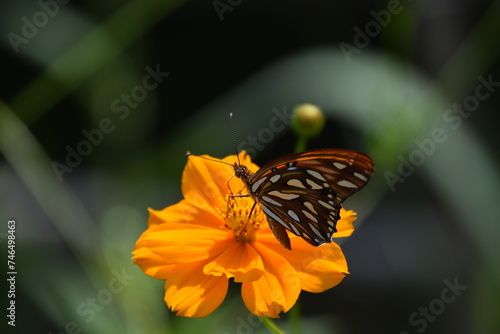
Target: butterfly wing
[(303, 192)]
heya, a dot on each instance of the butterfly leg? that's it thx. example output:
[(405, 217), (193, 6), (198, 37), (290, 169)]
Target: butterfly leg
[(243, 229), (250, 214), (231, 191), (251, 210), (228, 187)]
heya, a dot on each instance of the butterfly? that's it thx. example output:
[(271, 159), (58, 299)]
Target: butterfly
[(303, 192)]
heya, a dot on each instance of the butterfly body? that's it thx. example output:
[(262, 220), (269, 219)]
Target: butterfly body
[(303, 192)]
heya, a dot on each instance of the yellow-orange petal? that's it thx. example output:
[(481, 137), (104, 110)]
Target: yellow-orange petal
[(193, 294), (345, 225), (276, 291), (319, 268), (325, 271), (240, 261), (152, 264), (187, 213), (177, 242), (204, 182)]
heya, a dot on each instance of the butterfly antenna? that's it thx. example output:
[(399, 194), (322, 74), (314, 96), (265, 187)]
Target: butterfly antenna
[(231, 128), (199, 156)]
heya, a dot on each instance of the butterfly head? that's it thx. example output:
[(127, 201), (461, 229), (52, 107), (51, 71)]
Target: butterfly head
[(241, 172)]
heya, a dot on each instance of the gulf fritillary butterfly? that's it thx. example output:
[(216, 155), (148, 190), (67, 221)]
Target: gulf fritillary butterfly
[(303, 192)]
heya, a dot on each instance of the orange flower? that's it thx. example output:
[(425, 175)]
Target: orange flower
[(198, 244)]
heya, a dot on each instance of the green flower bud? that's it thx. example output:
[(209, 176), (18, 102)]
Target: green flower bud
[(307, 120)]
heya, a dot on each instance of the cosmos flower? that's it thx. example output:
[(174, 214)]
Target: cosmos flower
[(200, 243)]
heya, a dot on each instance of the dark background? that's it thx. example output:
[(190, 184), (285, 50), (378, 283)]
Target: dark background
[(76, 231)]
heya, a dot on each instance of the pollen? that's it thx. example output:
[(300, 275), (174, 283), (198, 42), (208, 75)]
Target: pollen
[(242, 218)]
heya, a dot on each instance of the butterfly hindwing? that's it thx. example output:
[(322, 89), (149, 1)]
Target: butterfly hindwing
[(303, 192), (305, 206)]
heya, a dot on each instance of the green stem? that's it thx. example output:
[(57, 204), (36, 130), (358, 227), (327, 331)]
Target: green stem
[(301, 144), (271, 326), (295, 318)]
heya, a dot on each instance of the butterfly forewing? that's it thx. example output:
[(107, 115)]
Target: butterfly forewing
[(303, 192)]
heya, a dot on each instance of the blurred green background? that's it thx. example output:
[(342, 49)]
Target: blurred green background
[(391, 78)]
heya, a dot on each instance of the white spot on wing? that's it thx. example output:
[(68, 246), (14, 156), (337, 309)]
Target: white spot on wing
[(346, 184), (338, 165), (315, 174), (313, 184), (271, 215), (295, 183), (315, 230), (310, 207), (257, 184), (293, 215), (275, 178), (283, 195), (270, 200), (310, 216), (360, 176), (294, 229), (326, 205)]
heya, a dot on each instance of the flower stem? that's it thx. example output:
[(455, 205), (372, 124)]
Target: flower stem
[(271, 326), (300, 146), (295, 318)]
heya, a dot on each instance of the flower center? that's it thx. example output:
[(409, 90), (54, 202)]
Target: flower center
[(236, 217)]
